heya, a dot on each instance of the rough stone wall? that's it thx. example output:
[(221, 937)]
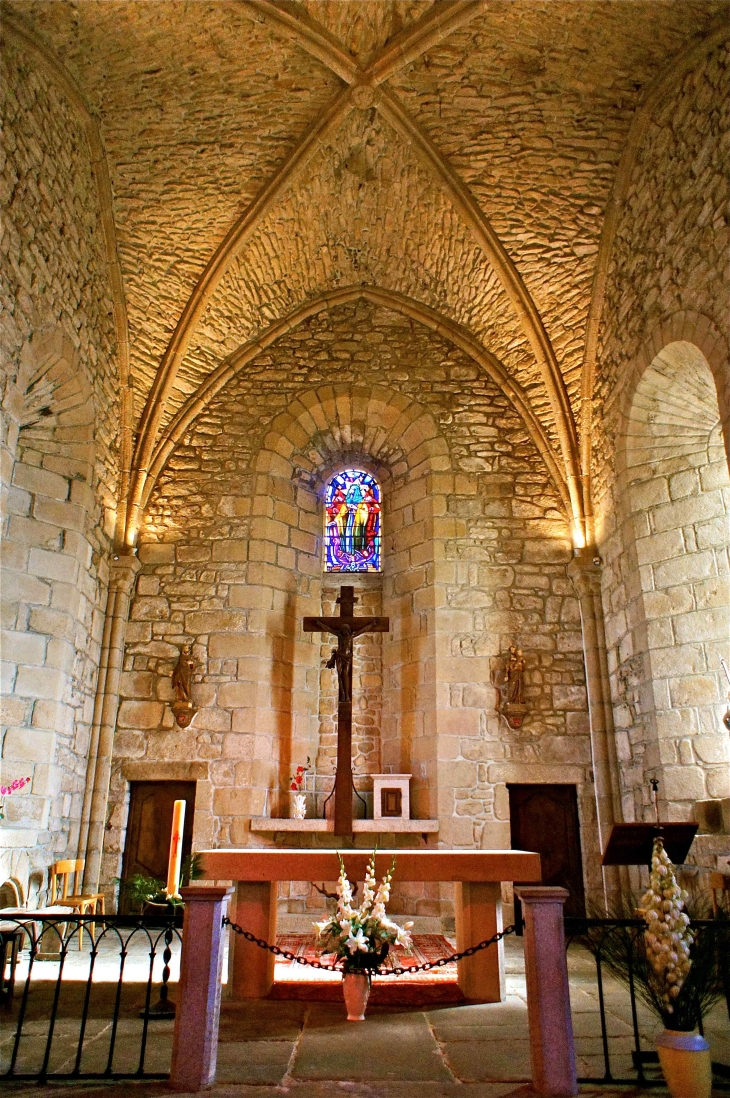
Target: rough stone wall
[(60, 454), (664, 542), (476, 549)]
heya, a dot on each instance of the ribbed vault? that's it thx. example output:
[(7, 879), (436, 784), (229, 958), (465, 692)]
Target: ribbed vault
[(458, 154)]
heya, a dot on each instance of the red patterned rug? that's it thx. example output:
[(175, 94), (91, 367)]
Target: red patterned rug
[(294, 981)]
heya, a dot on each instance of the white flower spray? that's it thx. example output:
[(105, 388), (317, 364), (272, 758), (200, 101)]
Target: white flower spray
[(362, 935), (667, 935)]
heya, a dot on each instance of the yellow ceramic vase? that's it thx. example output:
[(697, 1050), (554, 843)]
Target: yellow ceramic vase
[(686, 1063)]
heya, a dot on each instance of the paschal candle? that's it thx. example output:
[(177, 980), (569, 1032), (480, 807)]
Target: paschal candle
[(176, 837)]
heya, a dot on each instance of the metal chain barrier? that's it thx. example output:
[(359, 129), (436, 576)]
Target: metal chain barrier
[(380, 971)]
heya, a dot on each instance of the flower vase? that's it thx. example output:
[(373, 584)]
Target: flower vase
[(686, 1064), (356, 989), (299, 806)]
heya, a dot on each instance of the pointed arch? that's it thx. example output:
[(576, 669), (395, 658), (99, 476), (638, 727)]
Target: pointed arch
[(389, 299)]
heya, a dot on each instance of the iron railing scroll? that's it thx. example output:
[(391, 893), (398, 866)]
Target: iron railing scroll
[(88, 996)]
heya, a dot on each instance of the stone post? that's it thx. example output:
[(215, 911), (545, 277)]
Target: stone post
[(93, 817), (586, 577), (198, 1001), (552, 1054)]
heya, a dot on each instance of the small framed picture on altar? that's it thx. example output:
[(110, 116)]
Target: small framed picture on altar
[(391, 797)]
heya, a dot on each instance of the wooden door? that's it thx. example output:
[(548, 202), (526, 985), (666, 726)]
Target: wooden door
[(147, 845), (544, 818)]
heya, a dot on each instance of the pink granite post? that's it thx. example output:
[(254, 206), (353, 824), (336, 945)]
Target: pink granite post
[(548, 1001), (195, 1044)]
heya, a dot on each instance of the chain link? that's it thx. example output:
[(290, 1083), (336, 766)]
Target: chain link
[(380, 971)]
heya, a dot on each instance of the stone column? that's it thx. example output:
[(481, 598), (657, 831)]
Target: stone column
[(195, 1044), (586, 577), (93, 818), (552, 1054)]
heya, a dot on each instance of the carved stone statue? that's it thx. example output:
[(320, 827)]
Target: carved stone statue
[(515, 676), (182, 684), (508, 678)]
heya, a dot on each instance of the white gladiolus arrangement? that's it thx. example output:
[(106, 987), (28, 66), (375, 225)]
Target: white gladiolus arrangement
[(362, 935), (667, 936)]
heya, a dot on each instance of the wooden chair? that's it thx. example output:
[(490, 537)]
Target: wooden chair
[(69, 895)]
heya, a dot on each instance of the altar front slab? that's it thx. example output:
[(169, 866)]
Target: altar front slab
[(386, 826)]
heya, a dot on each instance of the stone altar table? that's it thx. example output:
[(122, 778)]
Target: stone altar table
[(477, 874)]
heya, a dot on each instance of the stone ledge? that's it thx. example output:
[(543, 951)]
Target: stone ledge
[(380, 827)]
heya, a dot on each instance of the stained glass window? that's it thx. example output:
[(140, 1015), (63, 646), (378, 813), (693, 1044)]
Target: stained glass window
[(352, 523)]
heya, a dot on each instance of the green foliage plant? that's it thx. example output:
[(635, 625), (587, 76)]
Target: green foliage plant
[(140, 889)]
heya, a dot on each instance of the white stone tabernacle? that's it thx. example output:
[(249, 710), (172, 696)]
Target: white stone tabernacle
[(391, 796)]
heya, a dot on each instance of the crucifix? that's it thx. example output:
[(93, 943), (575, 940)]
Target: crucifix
[(345, 627)]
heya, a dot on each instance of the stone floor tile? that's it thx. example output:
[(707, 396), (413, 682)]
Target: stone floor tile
[(258, 1019), (253, 1062), (386, 1046), (480, 1061)]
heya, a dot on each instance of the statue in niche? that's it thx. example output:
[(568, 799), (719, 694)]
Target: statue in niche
[(508, 678), (182, 684)]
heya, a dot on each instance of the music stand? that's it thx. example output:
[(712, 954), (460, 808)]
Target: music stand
[(633, 843)]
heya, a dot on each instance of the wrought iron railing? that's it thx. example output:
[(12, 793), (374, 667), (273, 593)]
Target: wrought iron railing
[(615, 1034), (87, 996)]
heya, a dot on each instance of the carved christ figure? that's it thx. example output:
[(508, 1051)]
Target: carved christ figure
[(341, 662)]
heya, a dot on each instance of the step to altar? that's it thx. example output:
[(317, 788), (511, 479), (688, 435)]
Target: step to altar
[(395, 826)]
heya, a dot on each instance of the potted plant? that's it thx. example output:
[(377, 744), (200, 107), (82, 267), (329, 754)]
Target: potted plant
[(361, 936), (676, 969), (148, 894)]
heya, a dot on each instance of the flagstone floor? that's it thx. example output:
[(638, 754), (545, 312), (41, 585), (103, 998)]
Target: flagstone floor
[(308, 1050)]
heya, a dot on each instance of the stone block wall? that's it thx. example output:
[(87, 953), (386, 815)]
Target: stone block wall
[(475, 556), (660, 466), (59, 427)]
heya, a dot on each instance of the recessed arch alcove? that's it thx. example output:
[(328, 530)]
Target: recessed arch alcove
[(674, 509)]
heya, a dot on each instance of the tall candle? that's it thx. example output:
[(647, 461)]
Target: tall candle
[(176, 838)]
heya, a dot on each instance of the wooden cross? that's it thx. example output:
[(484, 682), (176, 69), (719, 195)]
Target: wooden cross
[(345, 627)]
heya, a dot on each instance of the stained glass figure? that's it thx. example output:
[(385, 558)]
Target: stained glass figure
[(352, 523)]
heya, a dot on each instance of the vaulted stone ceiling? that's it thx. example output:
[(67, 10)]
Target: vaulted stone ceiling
[(200, 105)]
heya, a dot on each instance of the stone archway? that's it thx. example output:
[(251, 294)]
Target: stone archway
[(393, 435), (676, 531), (53, 591)]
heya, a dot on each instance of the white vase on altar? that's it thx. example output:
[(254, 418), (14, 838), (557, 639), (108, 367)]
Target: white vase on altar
[(299, 806), (356, 989)]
